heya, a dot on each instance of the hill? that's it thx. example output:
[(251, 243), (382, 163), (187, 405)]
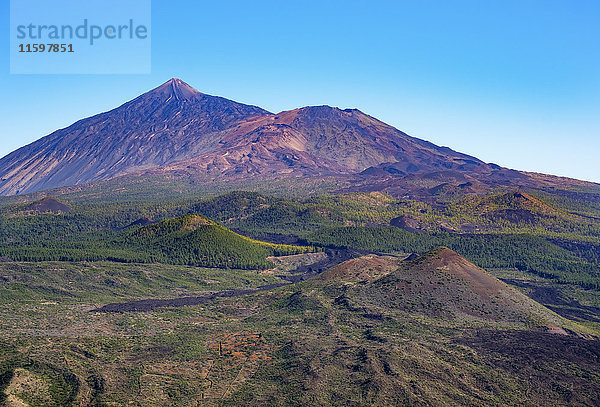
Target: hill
[(435, 330), (190, 239), (196, 240), (514, 207), (444, 285), (362, 269), (48, 205), (359, 334)]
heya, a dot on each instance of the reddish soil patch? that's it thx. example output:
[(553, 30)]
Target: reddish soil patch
[(365, 268), (242, 345)]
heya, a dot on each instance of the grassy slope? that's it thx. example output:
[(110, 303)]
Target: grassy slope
[(196, 240), (306, 344)]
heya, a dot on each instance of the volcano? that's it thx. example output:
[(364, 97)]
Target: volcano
[(174, 128)]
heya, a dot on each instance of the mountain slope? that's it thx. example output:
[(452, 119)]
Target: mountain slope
[(352, 340), (168, 123), (323, 140), (302, 344), (176, 128)]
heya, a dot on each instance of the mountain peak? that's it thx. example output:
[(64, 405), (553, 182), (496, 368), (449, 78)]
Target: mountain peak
[(177, 89), (174, 127)]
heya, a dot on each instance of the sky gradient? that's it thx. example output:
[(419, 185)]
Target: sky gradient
[(516, 83)]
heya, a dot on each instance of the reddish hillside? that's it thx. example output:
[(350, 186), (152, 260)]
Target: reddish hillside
[(365, 268), (443, 285)]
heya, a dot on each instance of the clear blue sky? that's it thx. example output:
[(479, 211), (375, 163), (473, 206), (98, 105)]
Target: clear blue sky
[(511, 82)]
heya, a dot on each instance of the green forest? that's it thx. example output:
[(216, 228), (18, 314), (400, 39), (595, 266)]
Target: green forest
[(541, 234)]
